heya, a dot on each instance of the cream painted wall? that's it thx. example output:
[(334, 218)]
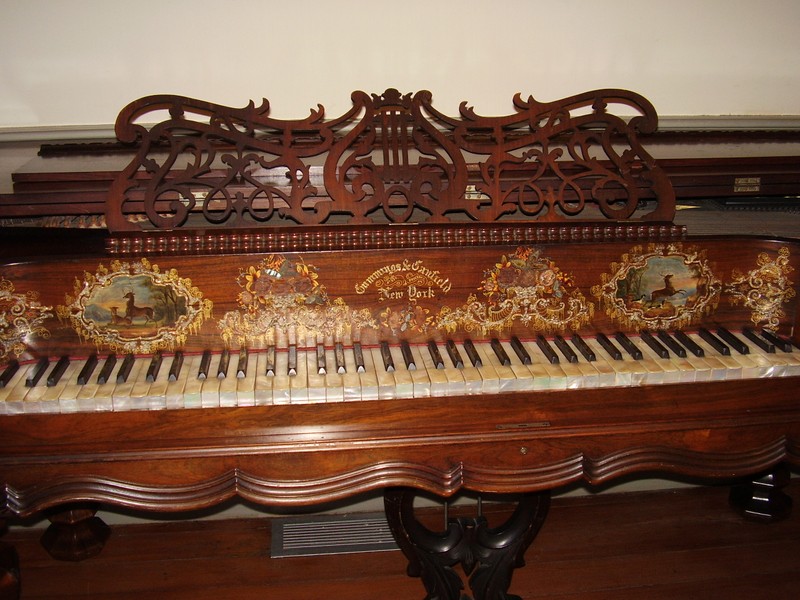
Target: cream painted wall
[(77, 62)]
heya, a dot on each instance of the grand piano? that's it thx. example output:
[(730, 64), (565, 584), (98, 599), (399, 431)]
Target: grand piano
[(295, 312)]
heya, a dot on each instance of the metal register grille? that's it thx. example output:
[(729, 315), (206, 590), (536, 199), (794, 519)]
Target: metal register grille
[(331, 534)]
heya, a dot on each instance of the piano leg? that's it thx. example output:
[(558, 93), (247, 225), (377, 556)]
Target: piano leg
[(763, 499), (9, 569), (487, 555), (75, 533)]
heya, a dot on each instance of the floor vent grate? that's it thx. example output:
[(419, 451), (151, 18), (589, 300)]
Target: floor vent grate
[(318, 535)]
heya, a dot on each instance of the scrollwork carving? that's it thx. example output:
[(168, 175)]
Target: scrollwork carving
[(391, 157)]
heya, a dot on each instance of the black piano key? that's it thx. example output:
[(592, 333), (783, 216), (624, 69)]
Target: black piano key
[(628, 345), (205, 365), (125, 368), (547, 349), (269, 369), (609, 346), (176, 366), (408, 358), (292, 362), (781, 343), (436, 356), (241, 363), (583, 348), (88, 368), (670, 343), (386, 356), (759, 341), (322, 362), (154, 367), (58, 371), (37, 372), (338, 356), (733, 341), (108, 367), (500, 352), (222, 365), (9, 372), (520, 350), (565, 349), (713, 341), (358, 357), (472, 354), (689, 344), (656, 346), (455, 355)]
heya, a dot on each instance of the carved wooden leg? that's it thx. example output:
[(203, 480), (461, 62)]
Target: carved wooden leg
[(763, 498), (75, 533), (487, 555), (9, 569)]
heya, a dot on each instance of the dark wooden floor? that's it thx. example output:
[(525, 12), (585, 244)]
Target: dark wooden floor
[(674, 545)]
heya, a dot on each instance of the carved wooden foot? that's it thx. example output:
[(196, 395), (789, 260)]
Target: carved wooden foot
[(487, 555), (75, 534), (763, 498), (9, 569)]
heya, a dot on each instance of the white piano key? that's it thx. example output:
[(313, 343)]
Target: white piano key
[(723, 367), (403, 377), (175, 392), (246, 385), (281, 384), (606, 376), (262, 387), (193, 385), (455, 375), (420, 381), (315, 382), (438, 381), (229, 387), (298, 383), (669, 371), (62, 397), (352, 380), (334, 380), (128, 395), (13, 394), (544, 375), (373, 361), (505, 376)]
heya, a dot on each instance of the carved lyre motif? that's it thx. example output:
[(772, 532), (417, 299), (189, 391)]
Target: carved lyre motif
[(395, 158)]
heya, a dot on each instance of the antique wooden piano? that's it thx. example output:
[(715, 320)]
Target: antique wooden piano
[(300, 311)]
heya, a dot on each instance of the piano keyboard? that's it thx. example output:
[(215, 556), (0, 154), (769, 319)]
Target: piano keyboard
[(340, 374)]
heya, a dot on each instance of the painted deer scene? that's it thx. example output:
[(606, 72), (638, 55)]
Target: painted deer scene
[(135, 306), (663, 287)]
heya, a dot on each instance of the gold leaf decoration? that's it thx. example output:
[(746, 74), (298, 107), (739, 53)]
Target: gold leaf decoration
[(764, 289), (280, 295), (21, 316), (525, 287)]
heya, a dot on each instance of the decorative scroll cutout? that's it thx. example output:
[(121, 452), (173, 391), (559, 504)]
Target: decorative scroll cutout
[(281, 296), (391, 157), (21, 316), (135, 308), (764, 289), (665, 287), (524, 287)]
